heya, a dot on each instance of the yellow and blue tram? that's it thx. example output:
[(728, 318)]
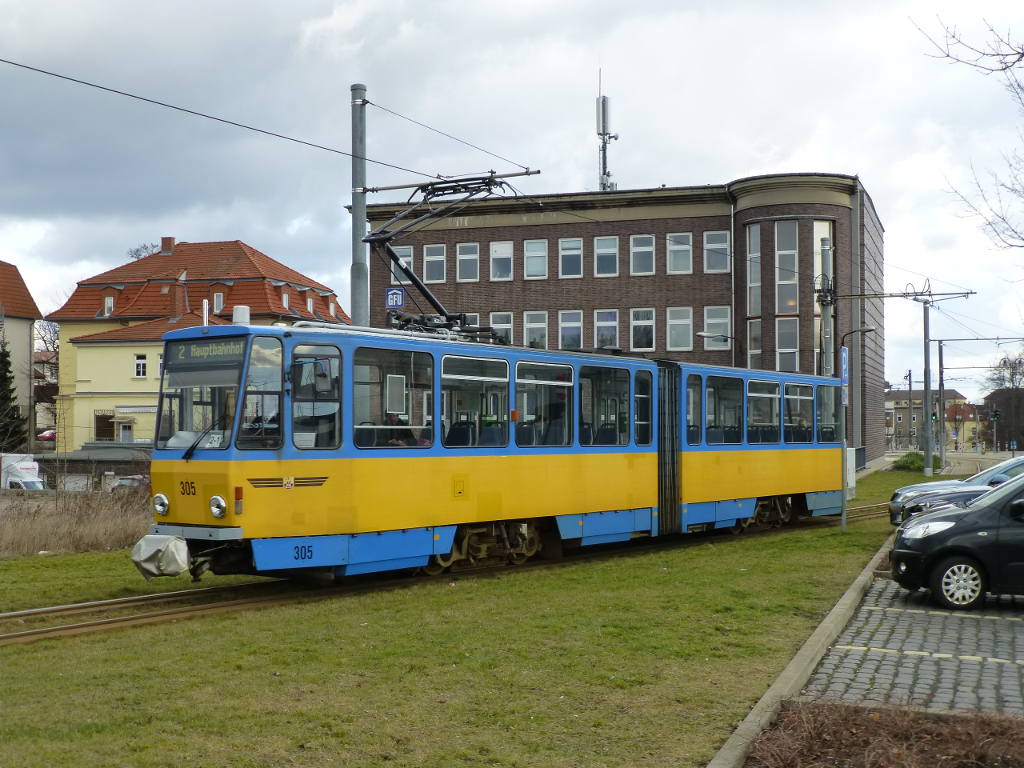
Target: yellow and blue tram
[(358, 450)]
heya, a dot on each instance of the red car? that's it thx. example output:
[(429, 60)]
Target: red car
[(47, 434)]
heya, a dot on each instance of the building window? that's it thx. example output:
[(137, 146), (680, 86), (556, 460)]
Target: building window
[(717, 322), (501, 322), (716, 251), (140, 366), (284, 299), (570, 257), (679, 253), (899, 418), (679, 328), (404, 253), (787, 344), (535, 329), (606, 257), (467, 262), (331, 309), (218, 302), (433, 263), (309, 305), (753, 343), (103, 426), (786, 268), (641, 330), (160, 365), (535, 259), (501, 260), (753, 270), (641, 254), (108, 305), (570, 329), (473, 319), (606, 329), (824, 273)]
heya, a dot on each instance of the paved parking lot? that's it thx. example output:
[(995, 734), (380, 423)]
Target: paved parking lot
[(899, 649)]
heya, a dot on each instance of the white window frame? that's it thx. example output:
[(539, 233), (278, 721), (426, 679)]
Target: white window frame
[(284, 299), (527, 257), (496, 250), (780, 350), (140, 366), (598, 324), (751, 349), (714, 247), (309, 304), (565, 321), (633, 250), (405, 255), (721, 326), (675, 248), (674, 318), (562, 251), (108, 305), (753, 271), (598, 251), (473, 318), (530, 322), (332, 310), (785, 275), (509, 326), (435, 258), (218, 302), (634, 323), (467, 253)]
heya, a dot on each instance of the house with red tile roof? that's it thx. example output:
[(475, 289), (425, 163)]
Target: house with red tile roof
[(18, 314), (111, 328)]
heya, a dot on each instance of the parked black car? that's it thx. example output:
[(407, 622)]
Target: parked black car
[(961, 553), (994, 475), (927, 501)]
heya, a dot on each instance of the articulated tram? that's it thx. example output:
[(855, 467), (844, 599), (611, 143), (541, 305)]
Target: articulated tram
[(357, 450)]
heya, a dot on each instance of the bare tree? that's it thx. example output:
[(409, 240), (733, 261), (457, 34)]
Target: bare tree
[(997, 198), (141, 250)]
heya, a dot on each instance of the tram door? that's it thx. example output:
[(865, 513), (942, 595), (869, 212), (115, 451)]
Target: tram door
[(669, 387)]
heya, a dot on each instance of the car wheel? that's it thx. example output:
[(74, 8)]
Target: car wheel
[(958, 583)]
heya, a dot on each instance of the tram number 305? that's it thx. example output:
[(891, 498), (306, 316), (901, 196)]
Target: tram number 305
[(304, 552), (187, 487)]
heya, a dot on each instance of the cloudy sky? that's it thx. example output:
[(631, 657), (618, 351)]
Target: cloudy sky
[(702, 93)]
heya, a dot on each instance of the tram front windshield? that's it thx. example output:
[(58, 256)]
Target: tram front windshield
[(198, 392)]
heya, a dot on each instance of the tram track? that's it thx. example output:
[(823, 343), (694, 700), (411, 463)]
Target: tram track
[(48, 623)]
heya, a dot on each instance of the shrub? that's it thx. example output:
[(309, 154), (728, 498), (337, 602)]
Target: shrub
[(914, 462)]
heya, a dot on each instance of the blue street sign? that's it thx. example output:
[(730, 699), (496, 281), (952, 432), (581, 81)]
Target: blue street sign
[(844, 365), (394, 298)]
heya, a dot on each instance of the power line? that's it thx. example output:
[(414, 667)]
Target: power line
[(447, 135), (213, 117)]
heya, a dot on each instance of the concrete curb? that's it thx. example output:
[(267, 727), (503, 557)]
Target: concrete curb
[(796, 674)]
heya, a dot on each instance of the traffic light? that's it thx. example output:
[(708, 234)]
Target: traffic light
[(935, 416), (995, 415)]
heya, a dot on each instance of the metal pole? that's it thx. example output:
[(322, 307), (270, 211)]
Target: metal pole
[(842, 431), (359, 275), (927, 404), (941, 411), (828, 365)]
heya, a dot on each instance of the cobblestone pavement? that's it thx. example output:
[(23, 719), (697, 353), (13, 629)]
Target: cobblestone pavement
[(899, 649)]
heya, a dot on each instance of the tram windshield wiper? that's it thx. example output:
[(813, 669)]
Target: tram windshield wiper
[(187, 455)]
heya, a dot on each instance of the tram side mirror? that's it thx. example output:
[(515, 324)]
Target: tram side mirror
[(998, 479)]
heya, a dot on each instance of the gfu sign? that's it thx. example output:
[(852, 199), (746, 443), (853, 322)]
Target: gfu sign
[(394, 298)]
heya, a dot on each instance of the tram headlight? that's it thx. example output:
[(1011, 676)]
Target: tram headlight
[(218, 506), (160, 504)]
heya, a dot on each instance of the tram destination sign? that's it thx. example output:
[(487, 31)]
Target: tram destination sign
[(205, 352)]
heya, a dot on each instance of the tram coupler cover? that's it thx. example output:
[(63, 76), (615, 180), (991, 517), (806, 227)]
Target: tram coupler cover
[(160, 555)]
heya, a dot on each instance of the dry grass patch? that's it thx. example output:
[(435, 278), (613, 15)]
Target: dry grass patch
[(834, 735), (67, 522)]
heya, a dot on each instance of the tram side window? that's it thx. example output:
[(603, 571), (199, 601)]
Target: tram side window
[(316, 396), (693, 409), (642, 407), (544, 402), (724, 410), (392, 392), (762, 412), (474, 399), (604, 406), (799, 413), (261, 408), (829, 401)]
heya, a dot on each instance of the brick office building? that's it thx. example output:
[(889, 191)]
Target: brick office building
[(649, 271)]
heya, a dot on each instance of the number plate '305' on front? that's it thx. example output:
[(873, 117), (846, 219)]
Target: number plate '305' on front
[(299, 552)]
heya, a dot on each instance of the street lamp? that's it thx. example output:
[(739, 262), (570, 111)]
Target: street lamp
[(842, 426)]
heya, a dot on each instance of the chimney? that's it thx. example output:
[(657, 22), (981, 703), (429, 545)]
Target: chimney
[(166, 246), (179, 299)]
